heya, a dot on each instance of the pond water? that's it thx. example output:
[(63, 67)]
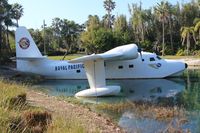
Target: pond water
[(181, 92)]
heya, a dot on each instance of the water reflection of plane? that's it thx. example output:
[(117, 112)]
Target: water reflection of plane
[(63, 87), (134, 90), (151, 89)]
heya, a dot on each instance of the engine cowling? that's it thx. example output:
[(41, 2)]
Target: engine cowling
[(126, 52)]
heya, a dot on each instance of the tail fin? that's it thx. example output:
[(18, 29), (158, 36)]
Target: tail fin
[(27, 51), (25, 46)]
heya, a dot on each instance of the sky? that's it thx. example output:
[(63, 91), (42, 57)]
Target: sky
[(35, 11)]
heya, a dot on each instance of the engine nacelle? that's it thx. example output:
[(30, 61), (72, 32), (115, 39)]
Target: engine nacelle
[(126, 52)]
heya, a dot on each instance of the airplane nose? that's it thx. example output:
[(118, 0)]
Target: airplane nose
[(186, 65)]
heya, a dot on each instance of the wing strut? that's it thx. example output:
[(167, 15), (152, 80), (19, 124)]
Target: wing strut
[(95, 72)]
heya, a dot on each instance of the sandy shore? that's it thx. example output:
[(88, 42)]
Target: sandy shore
[(192, 62)]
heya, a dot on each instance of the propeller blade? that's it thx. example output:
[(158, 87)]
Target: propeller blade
[(140, 51)]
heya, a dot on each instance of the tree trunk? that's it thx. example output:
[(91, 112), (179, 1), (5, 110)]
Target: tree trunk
[(171, 39), (142, 32), (109, 20), (138, 36), (199, 34), (195, 41), (188, 43), (17, 23), (7, 39), (163, 40)]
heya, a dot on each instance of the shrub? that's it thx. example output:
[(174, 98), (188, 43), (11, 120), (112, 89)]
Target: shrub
[(196, 53), (181, 52)]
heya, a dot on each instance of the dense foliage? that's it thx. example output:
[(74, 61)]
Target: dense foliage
[(164, 29), (8, 13)]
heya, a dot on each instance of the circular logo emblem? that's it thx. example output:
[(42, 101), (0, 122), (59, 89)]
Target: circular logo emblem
[(24, 43)]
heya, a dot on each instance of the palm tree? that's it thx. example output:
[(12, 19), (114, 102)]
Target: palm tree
[(137, 21), (93, 23), (162, 14), (56, 27), (3, 13), (6, 17), (186, 34), (17, 11), (170, 10), (8, 22), (109, 5), (120, 23)]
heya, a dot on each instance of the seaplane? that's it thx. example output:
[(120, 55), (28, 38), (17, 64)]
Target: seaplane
[(123, 62)]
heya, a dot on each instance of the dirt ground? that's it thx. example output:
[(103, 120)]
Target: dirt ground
[(88, 119)]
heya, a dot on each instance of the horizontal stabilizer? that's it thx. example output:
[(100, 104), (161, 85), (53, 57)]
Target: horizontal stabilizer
[(29, 58)]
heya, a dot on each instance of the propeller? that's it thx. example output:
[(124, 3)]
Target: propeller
[(140, 51)]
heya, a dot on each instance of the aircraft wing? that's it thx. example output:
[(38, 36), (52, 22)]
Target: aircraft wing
[(103, 56), (125, 52)]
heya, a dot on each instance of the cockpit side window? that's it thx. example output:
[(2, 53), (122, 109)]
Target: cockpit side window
[(158, 57), (152, 59)]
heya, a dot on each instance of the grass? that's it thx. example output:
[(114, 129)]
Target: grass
[(9, 91), (13, 107), (7, 114), (72, 100), (142, 109), (17, 116), (61, 125), (180, 57)]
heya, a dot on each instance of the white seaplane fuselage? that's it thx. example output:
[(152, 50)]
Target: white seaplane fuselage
[(152, 66)]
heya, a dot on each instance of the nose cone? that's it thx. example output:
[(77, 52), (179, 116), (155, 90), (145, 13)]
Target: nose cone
[(186, 65), (176, 67)]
